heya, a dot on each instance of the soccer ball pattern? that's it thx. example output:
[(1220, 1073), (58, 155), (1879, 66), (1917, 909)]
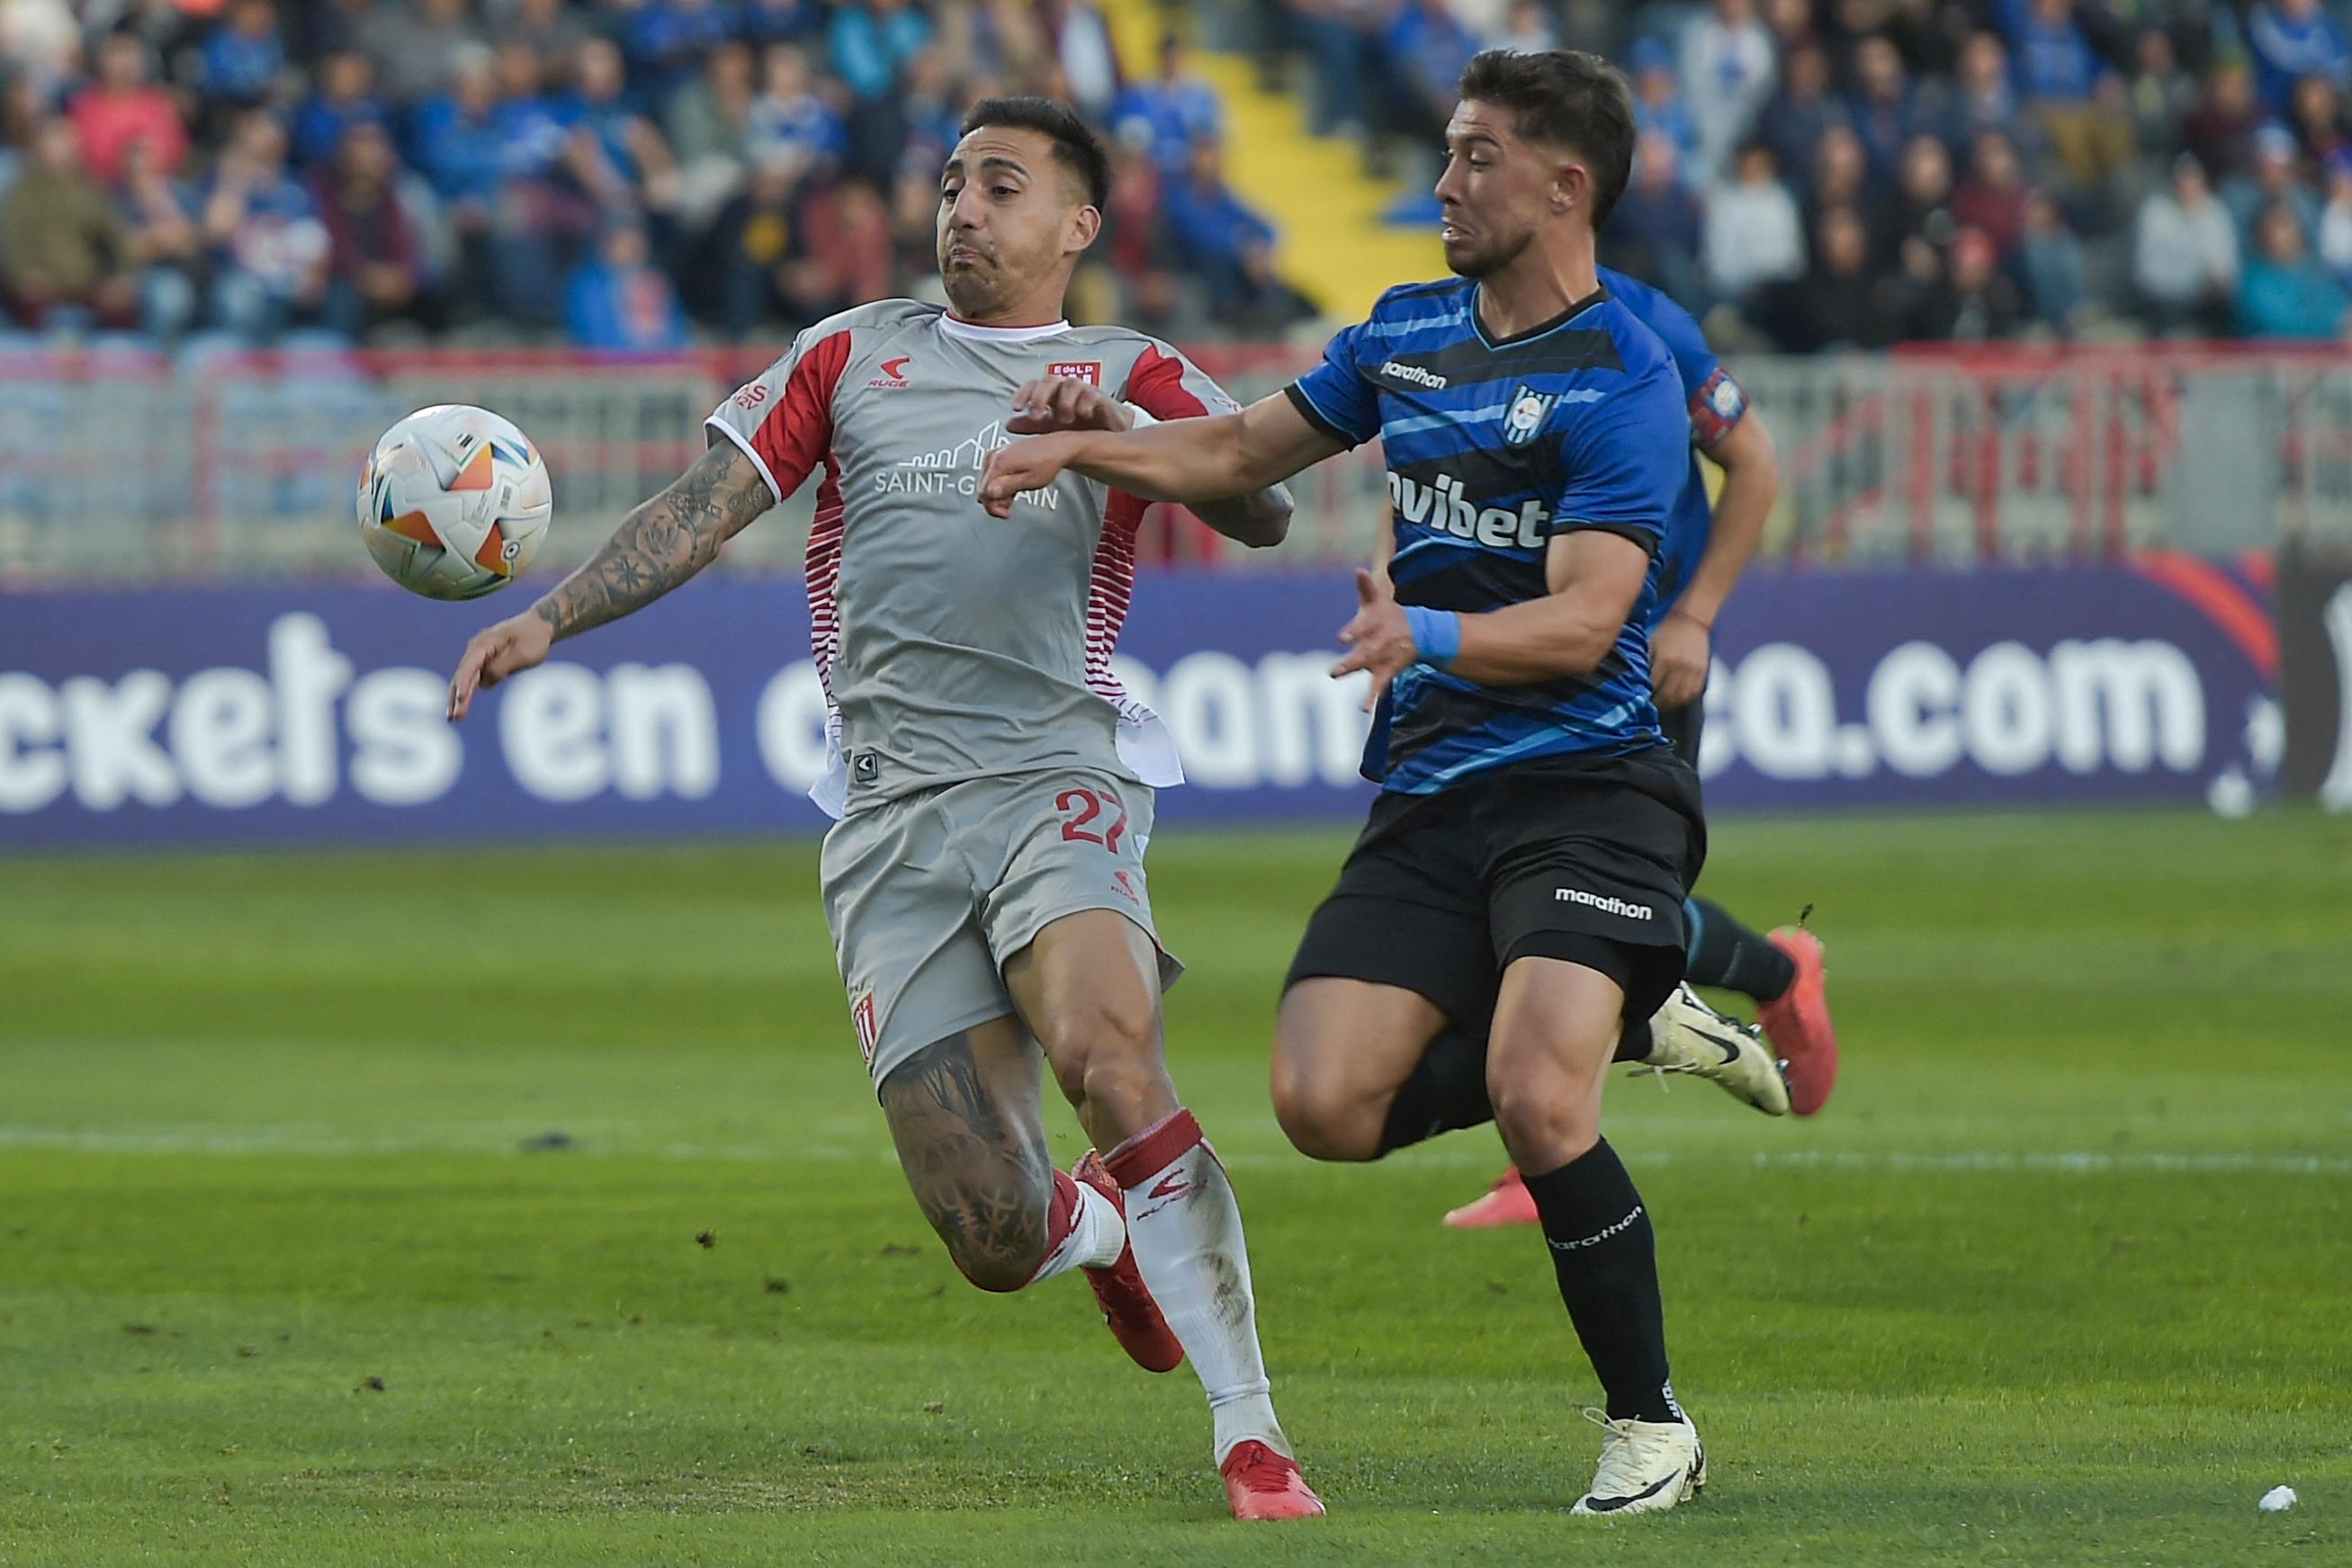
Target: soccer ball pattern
[(453, 502)]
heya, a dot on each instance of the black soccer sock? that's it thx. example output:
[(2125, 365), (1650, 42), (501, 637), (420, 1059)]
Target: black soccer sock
[(1607, 1259), (1724, 953), (1446, 1091)]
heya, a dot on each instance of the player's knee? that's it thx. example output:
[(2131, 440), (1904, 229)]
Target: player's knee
[(1548, 1116), (1323, 1121), (1104, 1047)]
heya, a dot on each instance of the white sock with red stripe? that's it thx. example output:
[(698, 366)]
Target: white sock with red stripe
[(1186, 1229), (1083, 1230)]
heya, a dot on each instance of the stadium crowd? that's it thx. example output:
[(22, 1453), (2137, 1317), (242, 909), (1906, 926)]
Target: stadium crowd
[(625, 173)]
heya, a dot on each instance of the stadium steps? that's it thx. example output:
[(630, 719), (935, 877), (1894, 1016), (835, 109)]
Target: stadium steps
[(1333, 247)]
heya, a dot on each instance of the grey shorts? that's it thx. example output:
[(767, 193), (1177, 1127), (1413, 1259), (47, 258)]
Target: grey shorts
[(929, 895)]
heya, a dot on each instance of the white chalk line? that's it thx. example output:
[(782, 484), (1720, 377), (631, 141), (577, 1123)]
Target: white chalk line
[(1473, 1153)]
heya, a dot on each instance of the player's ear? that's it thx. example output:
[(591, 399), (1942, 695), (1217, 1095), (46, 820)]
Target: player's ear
[(1571, 186), (1084, 224)]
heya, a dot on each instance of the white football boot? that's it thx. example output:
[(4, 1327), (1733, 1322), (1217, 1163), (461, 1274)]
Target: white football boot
[(1646, 1466), (1688, 1036)]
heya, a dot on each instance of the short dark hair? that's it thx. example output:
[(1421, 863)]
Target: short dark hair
[(1079, 150), (1570, 98)]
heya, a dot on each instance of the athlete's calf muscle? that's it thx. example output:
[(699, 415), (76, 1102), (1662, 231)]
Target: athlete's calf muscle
[(972, 1144)]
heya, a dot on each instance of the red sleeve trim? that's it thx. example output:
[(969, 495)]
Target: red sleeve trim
[(1157, 386), (798, 431)]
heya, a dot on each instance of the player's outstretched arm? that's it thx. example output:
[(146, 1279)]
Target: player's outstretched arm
[(1595, 576), (1193, 461), (1259, 519), (1682, 645), (665, 541)]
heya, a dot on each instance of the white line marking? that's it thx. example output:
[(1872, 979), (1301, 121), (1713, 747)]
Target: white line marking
[(607, 1144)]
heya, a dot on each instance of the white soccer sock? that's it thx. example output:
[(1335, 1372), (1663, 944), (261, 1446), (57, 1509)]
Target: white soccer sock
[(1083, 1230), (1186, 1229)]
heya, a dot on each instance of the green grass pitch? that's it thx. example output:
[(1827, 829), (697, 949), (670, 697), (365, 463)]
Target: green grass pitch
[(2062, 1276)]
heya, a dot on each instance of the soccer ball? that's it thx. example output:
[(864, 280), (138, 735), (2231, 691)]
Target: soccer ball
[(453, 502)]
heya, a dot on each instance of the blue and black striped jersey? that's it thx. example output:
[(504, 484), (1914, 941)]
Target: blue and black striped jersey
[(1493, 447), (1716, 402)]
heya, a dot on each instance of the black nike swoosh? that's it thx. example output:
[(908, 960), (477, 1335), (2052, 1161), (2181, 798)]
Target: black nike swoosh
[(1612, 1504), (1730, 1050)]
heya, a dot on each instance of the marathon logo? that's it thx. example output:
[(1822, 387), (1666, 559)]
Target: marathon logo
[(1603, 902), (1441, 505), (1397, 369)]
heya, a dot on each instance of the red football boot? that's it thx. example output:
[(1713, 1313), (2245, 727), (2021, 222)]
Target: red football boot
[(1263, 1484), (1127, 1305), (1507, 1202), (1798, 1023)]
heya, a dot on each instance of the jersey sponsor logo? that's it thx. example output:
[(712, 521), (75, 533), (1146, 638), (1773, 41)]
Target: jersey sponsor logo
[(752, 396), (1522, 419), (1441, 505), (955, 470), (1087, 371), (861, 1014), (1605, 902), (893, 376), (1415, 375)]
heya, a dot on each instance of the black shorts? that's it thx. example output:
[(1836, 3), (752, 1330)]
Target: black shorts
[(1682, 726), (1582, 860)]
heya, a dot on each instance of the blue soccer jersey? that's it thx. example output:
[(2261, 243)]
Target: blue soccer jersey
[(1493, 449), (1716, 402)]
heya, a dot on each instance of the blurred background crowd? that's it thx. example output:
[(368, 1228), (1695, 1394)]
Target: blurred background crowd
[(637, 174)]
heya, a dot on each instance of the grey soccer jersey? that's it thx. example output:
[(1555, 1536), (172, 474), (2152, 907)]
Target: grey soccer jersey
[(952, 645)]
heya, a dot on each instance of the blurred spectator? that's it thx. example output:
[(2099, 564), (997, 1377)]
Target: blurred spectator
[(1885, 115), (1984, 97), (415, 49), (1974, 302), (41, 41), (1754, 235), (765, 22), (1727, 77), (1227, 246), (2292, 39), (1840, 303), (930, 108), (1136, 245), (1657, 230), (2220, 129), (1336, 35), (270, 249), (65, 258), (848, 247), (1992, 200), (871, 40), (376, 260), (2160, 95), (1922, 207), (122, 106), (458, 142), (709, 125), (1082, 46), (1529, 27), (759, 249), (2077, 99), (1658, 111), (619, 301), (2336, 219), (664, 40), (2285, 291), (790, 118), (1841, 179), (2184, 253), (1794, 119), (1172, 111), (2318, 120), (549, 27), (345, 97), (1425, 46), (2052, 265), (615, 154), (160, 213), (242, 60), (2275, 181)]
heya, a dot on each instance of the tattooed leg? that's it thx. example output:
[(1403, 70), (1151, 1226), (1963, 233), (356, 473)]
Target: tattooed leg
[(968, 1119)]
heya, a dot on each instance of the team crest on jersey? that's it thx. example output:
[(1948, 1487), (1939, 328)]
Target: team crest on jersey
[(1087, 371), (1522, 419), (861, 1013)]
